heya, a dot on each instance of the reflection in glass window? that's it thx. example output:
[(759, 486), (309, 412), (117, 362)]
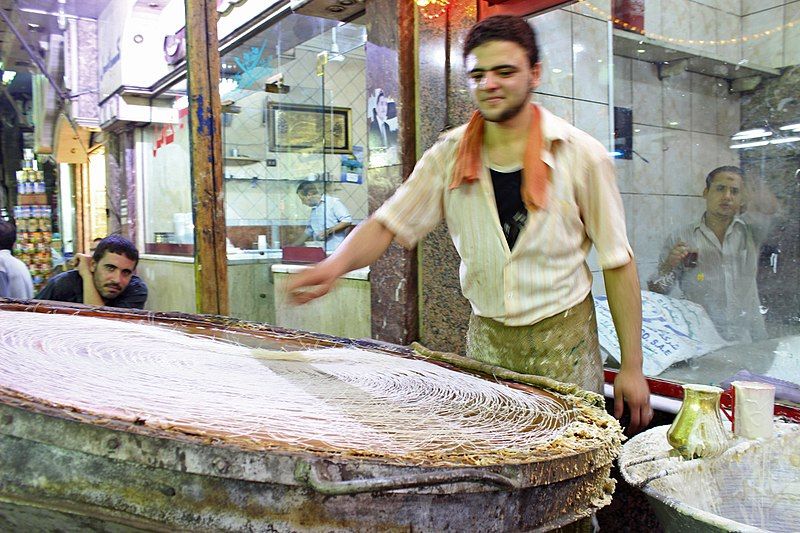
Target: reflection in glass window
[(700, 110), (165, 156), (294, 132)]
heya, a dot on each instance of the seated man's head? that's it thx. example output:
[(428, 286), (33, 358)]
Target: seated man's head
[(113, 263), (8, 235), (310, 193), (723, 192)]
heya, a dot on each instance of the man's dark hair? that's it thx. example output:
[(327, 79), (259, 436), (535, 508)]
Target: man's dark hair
[(116, 244), (728, 168), (8, 235), (503, 28), (306, 186)]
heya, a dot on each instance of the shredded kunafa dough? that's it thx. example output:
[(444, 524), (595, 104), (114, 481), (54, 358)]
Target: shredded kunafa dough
[(347, 401)]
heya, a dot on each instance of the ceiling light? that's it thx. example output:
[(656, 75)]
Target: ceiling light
[(749, 145), (750, 134), (791, 127), (782, 140), (557, 71), (641, 51)]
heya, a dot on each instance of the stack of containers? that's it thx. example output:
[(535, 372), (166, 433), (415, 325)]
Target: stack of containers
[(34, 219)]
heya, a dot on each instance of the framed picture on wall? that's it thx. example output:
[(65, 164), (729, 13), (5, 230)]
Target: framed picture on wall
[(308, 128)]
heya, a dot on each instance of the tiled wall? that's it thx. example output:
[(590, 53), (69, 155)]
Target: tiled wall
[(682, 128), (682, 124), (271, 196)]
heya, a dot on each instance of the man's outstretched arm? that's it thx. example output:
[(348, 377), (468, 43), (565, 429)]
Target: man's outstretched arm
[(365, 244), (625, 303)]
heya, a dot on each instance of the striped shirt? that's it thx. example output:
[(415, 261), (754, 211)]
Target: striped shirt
[(546, 273)]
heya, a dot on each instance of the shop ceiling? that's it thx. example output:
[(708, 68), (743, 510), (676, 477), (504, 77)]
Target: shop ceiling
[(35, 21)]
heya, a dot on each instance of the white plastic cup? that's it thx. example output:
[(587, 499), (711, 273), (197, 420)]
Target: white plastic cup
[(753, 409)]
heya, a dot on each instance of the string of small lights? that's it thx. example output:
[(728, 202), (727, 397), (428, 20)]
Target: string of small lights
[(733, 40)]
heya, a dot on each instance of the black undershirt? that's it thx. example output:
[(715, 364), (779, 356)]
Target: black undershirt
[(510, 207)]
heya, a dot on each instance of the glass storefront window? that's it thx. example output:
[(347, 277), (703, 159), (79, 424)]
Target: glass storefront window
[(294, 132), (164, 152), (707, 85)]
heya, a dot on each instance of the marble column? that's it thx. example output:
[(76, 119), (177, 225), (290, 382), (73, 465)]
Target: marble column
[(390, 66), (444, 312)]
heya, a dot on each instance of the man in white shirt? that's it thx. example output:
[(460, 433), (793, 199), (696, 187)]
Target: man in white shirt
[(525, 196), (329, 218), (714, 260), (15, 278)]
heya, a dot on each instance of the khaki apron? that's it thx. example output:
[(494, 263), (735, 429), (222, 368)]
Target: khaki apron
[(563, 347)]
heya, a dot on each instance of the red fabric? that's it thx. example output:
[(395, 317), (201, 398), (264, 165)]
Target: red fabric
[(535, 173)]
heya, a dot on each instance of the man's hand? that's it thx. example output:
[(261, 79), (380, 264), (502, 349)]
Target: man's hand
[(311, 284), (630, 387), (676, 255), (83, 264)]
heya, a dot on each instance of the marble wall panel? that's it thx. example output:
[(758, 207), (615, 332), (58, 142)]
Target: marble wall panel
[(680, 211), (791, 36), (729, 26), (705, 154), (678, 178), (754, 6), (602, 9), (623, 168), (645, 223), (703, 27), (764, 51), (728, 110), (554, 34), (590, 58), (725, 155), (652, 16), (675, 20), (623, 82), (562, 107), (647, 97), (592, 118), (677, 97), (734, 7), (647, 175), (704, 103)]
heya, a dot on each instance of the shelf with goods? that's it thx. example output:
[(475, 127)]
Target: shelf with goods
[(34, 219)]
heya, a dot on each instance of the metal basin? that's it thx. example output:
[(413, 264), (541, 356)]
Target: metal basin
[(753, 486), (69, 466)]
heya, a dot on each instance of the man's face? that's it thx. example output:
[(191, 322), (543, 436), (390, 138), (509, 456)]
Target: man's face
[(381, 108), (724, 195), (310, 197), (501, 79), (112, 274)]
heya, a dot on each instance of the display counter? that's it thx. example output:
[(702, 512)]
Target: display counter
[(345, 311), (171, 284)]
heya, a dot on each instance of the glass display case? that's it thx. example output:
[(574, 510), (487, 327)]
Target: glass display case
[(698, 106), (294, 131)]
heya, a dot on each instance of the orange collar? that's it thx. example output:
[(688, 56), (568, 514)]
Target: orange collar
[(535, 173)]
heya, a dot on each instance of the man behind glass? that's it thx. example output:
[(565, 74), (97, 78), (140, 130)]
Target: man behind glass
[(715, 259), (329, 219)]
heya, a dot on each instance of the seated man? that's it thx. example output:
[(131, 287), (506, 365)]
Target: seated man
[(105, 278), (714, 260), (15, 278), (329, 218)]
